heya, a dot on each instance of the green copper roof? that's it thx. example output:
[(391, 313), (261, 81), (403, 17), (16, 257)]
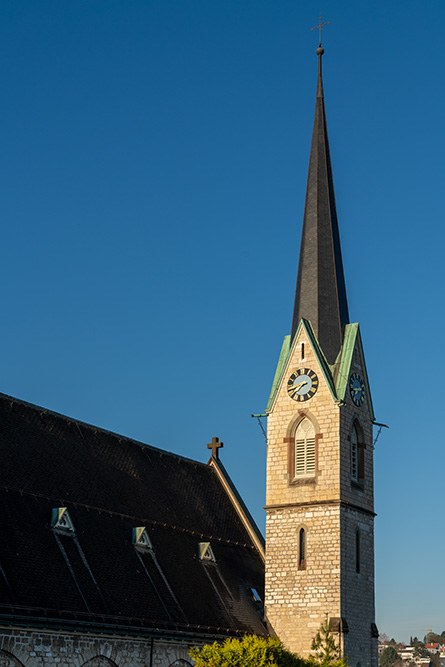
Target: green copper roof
[(284, 354), (343, 364), (342, 367)]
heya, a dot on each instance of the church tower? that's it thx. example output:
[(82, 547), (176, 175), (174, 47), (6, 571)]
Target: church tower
[(320, 504)]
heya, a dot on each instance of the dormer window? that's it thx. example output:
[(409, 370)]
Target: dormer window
[(61, 519), (255, 595), (141, 538), (205, 552)]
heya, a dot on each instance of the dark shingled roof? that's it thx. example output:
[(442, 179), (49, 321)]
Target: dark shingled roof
[(95, 577), (320, 295)]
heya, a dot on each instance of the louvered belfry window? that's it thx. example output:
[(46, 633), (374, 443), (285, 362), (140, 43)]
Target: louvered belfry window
[(354, 453), (305, 449)]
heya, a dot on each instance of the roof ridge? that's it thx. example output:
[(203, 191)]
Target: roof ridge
[(93, 427)]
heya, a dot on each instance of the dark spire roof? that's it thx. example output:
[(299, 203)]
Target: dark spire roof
[(320, 296)]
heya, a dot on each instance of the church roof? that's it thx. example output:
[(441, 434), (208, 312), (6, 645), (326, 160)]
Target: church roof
[(95, 576), (320, 295)]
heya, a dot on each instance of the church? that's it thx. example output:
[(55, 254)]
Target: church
[(114, 552)]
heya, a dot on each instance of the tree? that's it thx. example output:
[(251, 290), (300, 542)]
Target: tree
[(250, 651), (432, 638), (435, 660), (420, 651), (326, 650), (388, 657)]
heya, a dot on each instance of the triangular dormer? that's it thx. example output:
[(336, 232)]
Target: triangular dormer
[(141, 538), (205, 552), (60, 518)]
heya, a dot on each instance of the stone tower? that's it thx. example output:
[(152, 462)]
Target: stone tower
[(320, 505)]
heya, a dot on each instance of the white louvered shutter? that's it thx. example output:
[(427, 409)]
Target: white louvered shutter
[(304, 448)]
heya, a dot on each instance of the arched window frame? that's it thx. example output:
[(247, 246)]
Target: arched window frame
[(357, 454), (290, 439)]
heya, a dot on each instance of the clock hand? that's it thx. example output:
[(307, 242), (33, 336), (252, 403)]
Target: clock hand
[(296, 387)]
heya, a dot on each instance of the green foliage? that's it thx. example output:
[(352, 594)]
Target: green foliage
[(435, 660), (420, 651), (326, 650), (250, 651), (388, 657)]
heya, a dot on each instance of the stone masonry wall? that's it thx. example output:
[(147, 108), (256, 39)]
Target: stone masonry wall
[(281, 424), (358, 588), (297, 601), (38, 648)]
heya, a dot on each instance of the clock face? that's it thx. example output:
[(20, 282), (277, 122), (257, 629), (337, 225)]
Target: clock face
[(302, 384), (357, 389)]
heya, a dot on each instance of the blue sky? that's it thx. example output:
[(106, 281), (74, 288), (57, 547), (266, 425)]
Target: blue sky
[(154, 159)]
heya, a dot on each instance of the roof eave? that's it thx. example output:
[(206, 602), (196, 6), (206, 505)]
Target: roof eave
[(239, 505)]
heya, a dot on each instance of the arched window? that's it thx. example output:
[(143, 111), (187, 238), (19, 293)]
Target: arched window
[(8, 660), (302, 549), (99, 661), (305, 448), (357, 550)]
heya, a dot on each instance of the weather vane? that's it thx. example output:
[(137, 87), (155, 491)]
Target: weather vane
[(320, 27)]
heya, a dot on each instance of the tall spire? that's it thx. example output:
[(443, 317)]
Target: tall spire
[(320, 296)]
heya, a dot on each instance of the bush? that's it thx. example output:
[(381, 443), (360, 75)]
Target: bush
[(250, 651)]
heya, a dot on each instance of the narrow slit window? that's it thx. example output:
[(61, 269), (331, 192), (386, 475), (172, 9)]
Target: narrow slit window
[(302, 549), (302, 351), (357, 550), (304, 449)]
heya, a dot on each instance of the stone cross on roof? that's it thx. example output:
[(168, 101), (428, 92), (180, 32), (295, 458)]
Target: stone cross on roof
[(214, 446)]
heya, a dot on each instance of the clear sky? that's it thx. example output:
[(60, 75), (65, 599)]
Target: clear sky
[(154, 157)]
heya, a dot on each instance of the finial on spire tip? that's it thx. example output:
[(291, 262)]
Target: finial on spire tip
[(320, 27)]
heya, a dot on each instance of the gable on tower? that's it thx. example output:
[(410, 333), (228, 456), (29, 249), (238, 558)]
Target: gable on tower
[(290, 354), (336, 375)]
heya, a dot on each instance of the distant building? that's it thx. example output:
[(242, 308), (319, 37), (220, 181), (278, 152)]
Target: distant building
[(406, 653), (433, 647)]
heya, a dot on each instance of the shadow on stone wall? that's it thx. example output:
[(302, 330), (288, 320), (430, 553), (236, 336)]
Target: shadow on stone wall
[(8, 660)]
